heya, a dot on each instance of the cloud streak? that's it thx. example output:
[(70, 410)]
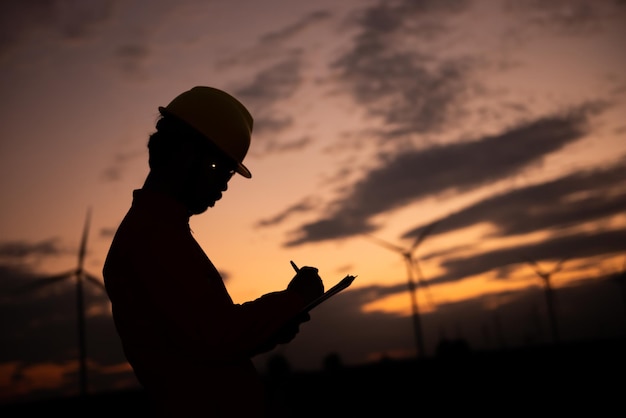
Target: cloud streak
[(571, 200), (575, 245), (274, 84), (455, 168), (16, 251), (401, 83), (70, 21)]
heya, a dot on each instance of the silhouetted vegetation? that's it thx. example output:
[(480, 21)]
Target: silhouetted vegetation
[(563, 377)]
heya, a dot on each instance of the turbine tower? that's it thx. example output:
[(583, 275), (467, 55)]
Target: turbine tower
[(412, 267), (620, 279), (546, 276), (79, 275)]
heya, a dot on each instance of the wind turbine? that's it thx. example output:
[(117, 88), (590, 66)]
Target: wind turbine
[(79, 275), (546, 276), (412, 266), (620, 279)]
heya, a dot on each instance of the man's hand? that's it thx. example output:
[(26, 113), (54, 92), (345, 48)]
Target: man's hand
[(307, 283), (291, 329), (284, 335)]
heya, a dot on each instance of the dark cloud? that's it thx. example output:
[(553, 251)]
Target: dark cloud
[(570, 17), (131, 59), (270, 86), (115, 170), (107, 232), (304, 206), (455, 168), (271, 43), (69, 20), (274, 83), (549, 250), (571, 200), (19, 18), (77, 18), (289, 145), (19, 250), (401, 83), (294, 29)]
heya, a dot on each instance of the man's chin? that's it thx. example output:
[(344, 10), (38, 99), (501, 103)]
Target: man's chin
[(212, 203), (203, 208)]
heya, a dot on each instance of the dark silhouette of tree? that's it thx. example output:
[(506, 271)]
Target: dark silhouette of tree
[(332, 363), (278, 366), (453, 348)]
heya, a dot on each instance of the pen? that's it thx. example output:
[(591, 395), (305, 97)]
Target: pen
[(294, 266)]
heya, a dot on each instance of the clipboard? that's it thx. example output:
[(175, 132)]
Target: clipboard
[(344, 283)]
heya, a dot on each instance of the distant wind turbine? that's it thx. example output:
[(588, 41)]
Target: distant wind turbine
[(620, 279), (546, 276), (412, 266), (79, 275)]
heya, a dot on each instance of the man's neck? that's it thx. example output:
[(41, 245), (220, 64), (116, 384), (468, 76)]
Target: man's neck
[(163, 185)]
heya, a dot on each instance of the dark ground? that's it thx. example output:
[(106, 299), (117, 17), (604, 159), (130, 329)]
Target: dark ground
[(585, 378)]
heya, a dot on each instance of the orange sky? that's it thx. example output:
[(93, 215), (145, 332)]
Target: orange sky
[(503, 120)]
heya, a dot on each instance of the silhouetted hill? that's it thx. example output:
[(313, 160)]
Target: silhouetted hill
[(567, 377)]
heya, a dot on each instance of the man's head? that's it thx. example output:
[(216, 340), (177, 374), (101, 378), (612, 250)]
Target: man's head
[(217, 116), (200, 142)]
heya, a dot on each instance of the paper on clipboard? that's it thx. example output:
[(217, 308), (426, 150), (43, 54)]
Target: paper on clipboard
[(344, 283)]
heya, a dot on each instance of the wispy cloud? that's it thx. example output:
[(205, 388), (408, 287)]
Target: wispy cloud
[(131, 59), (402, 83), (577, 18), (454, 168), (21, 250), (304, 206), (288, 32), (571, 200), (73, 20), (576, 245), (270, 86), (120, 161)]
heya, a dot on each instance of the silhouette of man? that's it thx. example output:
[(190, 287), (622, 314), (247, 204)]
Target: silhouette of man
[(189, 345)]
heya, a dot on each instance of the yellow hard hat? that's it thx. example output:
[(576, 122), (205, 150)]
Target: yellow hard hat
[(219, 117)]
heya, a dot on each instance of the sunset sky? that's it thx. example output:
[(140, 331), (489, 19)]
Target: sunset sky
[(501, 120)]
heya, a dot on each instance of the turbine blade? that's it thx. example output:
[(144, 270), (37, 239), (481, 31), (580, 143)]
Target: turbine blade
[(83, 244), (534, 266), (386, 244), (425, 232), (559, 265), (93, 279)]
